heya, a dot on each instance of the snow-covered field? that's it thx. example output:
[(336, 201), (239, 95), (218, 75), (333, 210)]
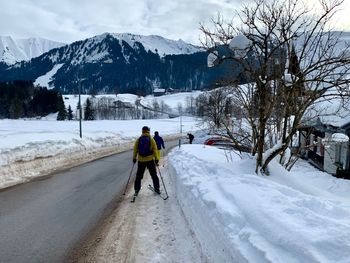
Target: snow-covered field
[(298, 216), (30, 148)]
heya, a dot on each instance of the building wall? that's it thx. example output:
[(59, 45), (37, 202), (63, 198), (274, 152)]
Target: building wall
[(330, 156)]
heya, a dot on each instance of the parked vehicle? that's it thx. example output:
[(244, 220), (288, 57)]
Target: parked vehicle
[(225, 143), (221, 142)]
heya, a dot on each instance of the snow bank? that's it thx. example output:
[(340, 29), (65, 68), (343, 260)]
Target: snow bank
[(241, 217)]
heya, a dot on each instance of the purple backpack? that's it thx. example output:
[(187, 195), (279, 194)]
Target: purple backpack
[(145, 147)]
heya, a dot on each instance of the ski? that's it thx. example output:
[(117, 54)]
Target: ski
[(150, 187), (133, 198)]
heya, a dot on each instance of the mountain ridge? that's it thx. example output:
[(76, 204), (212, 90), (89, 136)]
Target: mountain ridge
[(13, 50)]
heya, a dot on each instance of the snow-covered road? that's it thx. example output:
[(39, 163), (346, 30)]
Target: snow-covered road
[(149, 230)]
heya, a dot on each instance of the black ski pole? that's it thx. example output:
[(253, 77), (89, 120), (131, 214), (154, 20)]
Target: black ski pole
[(161, 177), (126, 187)]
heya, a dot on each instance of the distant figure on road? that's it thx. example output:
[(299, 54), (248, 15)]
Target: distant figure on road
[(159, 142), (145, 149), (190, 137)]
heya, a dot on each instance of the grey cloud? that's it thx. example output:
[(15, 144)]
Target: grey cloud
[(68, 20)]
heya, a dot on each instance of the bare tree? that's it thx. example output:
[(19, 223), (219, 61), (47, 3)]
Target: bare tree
[(164, 107), (190, 104), (220, 110), (216, 107), (179, 108), (156, 108), (292, 61)]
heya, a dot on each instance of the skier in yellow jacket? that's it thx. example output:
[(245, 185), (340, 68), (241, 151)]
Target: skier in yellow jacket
[(145, 150)]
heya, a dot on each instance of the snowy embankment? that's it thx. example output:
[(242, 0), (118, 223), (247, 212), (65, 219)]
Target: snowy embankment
[(301, 216), (32, 148)]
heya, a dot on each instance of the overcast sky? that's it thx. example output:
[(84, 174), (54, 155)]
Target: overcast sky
[(71, 20)]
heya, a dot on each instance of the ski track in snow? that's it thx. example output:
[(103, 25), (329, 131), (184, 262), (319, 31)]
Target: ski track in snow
[(149, 230)]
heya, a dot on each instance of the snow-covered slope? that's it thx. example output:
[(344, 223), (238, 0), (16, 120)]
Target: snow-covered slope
[(100, 48), (44, 80), (159, 44), (15, 50)]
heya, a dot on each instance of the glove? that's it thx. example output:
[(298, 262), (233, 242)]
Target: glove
[(157, 162), (134, 160)]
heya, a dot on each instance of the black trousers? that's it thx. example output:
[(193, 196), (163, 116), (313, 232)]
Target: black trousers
[(141, 167)]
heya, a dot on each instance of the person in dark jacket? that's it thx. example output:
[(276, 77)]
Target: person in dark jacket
[(190, 137), (146, 159), (160, 143)]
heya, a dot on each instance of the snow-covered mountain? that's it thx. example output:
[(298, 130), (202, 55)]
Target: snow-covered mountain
[(97, 49), (15, 50), (104, 63), (158, 44)]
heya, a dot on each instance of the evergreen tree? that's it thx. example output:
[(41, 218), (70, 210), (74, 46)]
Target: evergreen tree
[(16, 108), (45, 101), (88, 111), (62, 112), (70, 113), (15, 98)]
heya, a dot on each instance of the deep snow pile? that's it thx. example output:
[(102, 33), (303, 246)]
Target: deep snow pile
[(301, 216)]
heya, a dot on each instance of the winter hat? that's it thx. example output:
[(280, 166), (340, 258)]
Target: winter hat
[(145, 128)]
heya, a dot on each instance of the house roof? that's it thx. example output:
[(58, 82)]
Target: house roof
[(330, 112), (158, 90)]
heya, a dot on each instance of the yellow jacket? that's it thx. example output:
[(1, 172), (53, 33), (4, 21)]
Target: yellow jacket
[(148, 158)]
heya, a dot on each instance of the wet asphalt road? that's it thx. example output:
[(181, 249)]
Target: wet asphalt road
[(42, 220)]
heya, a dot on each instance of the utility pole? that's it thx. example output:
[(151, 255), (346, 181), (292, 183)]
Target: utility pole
[(180, 129), (80, 113)]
